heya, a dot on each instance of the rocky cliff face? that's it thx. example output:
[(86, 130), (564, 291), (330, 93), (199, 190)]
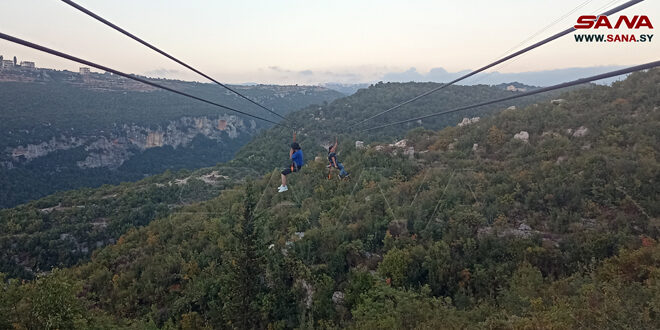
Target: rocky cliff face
[(32, 151), (112, 149)]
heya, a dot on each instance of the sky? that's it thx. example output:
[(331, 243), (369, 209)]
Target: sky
[(312, 42)]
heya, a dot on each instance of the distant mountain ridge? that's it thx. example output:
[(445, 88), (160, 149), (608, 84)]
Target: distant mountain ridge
[(535, 78), (347, 89), (65, 130)]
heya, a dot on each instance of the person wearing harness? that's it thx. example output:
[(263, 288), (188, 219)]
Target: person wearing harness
[(296, 158), (332, 158)]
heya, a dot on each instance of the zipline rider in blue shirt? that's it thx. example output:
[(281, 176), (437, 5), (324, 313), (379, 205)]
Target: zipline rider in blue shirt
[(296, 157)]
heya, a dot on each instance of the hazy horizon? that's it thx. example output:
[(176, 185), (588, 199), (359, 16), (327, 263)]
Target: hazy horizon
[(295, 42), (437, 75)]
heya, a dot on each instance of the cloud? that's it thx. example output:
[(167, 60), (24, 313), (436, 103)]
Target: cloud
[(361, 75), (308, 76), (435, 75), (278, 69), (548, 77), (535, 78), (343, 75), (408, 75)]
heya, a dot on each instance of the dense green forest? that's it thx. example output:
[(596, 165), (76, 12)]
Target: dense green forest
[(266, 151), (483, 227), (319, 125), (39, 112), (66, 227), (72, 119)]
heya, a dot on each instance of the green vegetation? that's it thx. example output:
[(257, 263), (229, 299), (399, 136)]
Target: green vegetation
[(30, 229), (320, 124), (477, 230), (61, 229), (66, 114), (36, 112)]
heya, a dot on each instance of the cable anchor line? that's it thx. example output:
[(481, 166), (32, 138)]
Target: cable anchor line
[(504, 59), (126, 75), (536, 91), (134, 37)]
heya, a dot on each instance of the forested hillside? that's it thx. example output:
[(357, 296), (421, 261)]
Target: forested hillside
[(545, 216), (76, 223), (66, 133), (318, 125)]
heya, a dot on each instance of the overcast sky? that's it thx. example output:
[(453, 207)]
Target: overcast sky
[(309, 42)]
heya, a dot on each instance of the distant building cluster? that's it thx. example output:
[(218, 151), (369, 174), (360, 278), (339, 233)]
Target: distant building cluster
[(13, 65), (28, 65), (6, 64)]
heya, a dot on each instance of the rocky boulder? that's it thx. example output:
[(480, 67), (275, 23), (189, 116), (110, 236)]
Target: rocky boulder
[(522, 136), (338, 298), (580, 132), (468, 121)]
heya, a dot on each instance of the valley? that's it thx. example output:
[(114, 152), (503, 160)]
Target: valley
[(61, 130), (513, 220)]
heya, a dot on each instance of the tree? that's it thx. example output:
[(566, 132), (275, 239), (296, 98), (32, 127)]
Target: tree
[(48, 303), (496, 137), (395, 265), (524, 287), (438, 262), (244, 271)]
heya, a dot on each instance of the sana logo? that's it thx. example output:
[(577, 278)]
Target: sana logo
[(595, 22)]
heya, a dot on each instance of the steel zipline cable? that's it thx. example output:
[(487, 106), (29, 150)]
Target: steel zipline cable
[(479, 78), (504, 59), (134, 37), (536, 91), (545, 28), (126, 75)]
